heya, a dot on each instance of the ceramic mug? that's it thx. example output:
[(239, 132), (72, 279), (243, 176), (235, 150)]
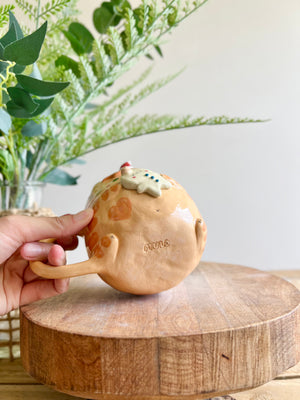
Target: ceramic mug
[(145, 237)]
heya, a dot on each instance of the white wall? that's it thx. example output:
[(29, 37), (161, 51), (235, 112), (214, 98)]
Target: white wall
[(243, 59)]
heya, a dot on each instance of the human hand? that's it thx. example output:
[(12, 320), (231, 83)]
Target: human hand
[(19, 243)]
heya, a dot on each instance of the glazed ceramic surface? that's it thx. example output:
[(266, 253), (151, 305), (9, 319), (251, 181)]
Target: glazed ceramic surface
[(145, 237)]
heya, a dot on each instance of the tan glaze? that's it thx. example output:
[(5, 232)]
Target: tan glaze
[(138, 243)]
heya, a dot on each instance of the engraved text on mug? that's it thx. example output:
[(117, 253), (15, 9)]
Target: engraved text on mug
[(156, 245)]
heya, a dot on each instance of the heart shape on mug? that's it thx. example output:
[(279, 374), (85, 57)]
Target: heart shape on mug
[(121, 211)]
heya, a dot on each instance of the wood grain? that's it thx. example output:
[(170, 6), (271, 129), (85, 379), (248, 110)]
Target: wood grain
[(226, 328)]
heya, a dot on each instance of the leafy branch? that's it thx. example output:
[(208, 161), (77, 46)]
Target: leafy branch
[(46, 123)]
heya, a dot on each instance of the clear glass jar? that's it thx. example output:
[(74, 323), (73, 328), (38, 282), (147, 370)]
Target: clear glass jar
[(28, 195), (24, 199)]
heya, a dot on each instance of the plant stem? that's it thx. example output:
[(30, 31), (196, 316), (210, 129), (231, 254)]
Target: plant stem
[(37, 17)]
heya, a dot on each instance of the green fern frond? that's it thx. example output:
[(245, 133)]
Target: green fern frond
[(147, 124), (101, 59), (120, 93), (53, 8), (88, 79), (4, 10), (131, 33), (27, 8), (108, 114), (115, 45), (74, 93)]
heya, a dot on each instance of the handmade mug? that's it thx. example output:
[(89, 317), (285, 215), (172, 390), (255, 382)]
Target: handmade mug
[(145, 237)]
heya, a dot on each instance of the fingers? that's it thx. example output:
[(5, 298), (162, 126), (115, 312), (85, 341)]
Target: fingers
[(43, 289), (42, 251), (16, 230), (36, 289)]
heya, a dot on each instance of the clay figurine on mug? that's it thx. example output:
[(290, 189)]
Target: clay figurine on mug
[(145, 237)]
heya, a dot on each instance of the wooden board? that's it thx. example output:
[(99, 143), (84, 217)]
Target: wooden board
[(15, 384), (226, 328)]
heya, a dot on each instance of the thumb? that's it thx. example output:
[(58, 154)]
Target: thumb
[(18, 229)]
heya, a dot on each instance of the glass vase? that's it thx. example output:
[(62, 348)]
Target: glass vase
[(23, 199), (25, 196)]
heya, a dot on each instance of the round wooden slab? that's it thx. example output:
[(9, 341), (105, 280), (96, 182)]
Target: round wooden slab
[(224, 329)]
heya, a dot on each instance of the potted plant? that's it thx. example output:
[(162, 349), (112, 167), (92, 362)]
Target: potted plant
[(57, 96)]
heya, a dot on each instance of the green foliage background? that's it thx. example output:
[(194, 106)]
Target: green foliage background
[(88, 113)]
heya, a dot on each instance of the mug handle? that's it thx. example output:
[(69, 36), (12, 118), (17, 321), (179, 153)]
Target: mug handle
[(91, 266), (65, 271)]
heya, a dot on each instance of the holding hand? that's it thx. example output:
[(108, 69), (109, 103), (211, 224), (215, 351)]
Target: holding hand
[(19, 243)]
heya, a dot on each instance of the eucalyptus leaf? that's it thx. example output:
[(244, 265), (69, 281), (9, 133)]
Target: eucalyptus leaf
[(75, 43), (20, 112), (5, 121), (3, 67), (60, 177), (18, 69), (80, 38), (5, 97), (13, 20), (1, 51), (22, 99), (39, 87), (104, 17), (10, 36), (32, 128), (26, 51), (17, 111), (43, 105), (29, 159), (7, 167), (68, 63)]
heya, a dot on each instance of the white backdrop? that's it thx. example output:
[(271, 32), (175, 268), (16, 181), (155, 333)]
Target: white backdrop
[(242, 59)]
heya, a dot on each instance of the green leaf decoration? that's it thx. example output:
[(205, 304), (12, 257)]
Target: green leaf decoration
[(68, 63), (31, 129), (5, 97), (4, 14), (22, 99), (43, 105), (18, 69), (5, 121), (17, 111), (159, 51), (172, 17), (13, 20), (1, 51), (26, 51), (60, 177), (80, 38), (105, 16), (29, 159), (3, 66), (10, 36), (20, 112), (7, 167), (39, 87)]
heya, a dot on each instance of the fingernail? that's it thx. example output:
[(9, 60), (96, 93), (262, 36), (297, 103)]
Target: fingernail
[(32, 250), (84, 215)]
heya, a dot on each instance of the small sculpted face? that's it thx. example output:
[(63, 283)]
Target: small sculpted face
[(156, 225)]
